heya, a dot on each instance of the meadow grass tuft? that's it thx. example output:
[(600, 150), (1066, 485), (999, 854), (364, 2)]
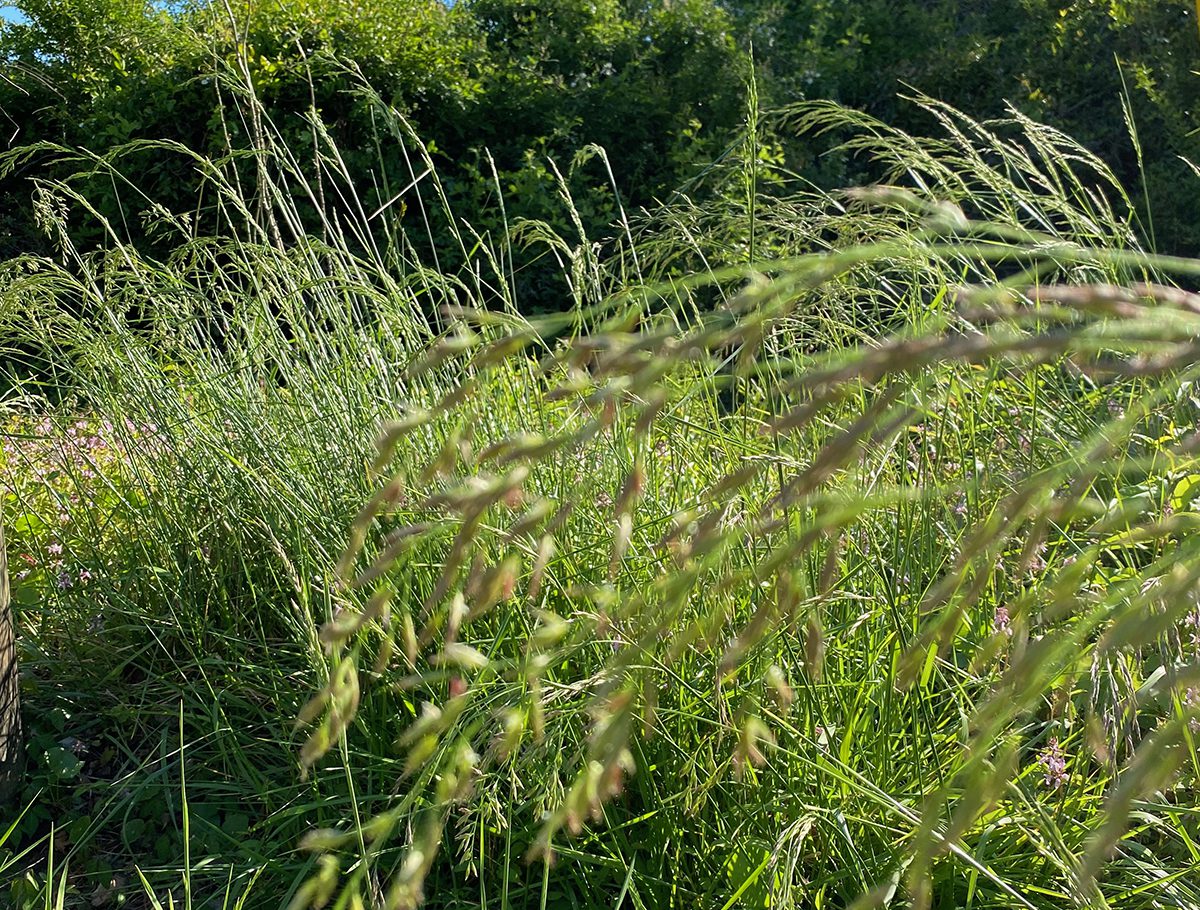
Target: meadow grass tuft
[(824, 550)]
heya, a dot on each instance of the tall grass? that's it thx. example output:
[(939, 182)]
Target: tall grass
[(847, 565)]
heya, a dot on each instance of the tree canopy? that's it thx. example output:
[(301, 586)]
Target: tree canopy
[(504, 90)]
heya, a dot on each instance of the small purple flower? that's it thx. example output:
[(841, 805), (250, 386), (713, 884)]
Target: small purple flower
[(55, 549), (1054, 764), (65, 580), (1002, 623), (84, 576), (1191, 704), (1191, 625), (960, 506)]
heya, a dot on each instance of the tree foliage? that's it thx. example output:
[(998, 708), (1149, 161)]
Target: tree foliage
[(506, 92), (1076, 64)]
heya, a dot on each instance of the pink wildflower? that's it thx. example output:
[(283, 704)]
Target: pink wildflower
[(1002, 623), (1054, 764)]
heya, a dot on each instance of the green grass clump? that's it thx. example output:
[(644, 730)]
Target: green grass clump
[(826, 551)]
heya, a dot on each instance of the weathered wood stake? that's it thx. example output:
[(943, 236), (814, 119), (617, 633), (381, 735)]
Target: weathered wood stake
[(11, 744)]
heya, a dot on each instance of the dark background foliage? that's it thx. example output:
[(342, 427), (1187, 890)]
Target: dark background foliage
[(660, 85)]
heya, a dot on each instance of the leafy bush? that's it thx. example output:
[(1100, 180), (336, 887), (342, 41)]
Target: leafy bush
[(498, 91), (505, 92)]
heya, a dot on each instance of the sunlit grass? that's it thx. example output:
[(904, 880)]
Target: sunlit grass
[(860, 570)]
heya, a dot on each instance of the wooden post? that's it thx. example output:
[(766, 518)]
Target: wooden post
[(11, 744)]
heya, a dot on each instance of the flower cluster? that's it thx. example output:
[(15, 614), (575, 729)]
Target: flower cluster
[(50, 472), (1054, 765), (1002, 623)]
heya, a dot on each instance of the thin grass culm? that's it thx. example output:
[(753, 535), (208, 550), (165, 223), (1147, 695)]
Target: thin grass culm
[(825, 550)]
